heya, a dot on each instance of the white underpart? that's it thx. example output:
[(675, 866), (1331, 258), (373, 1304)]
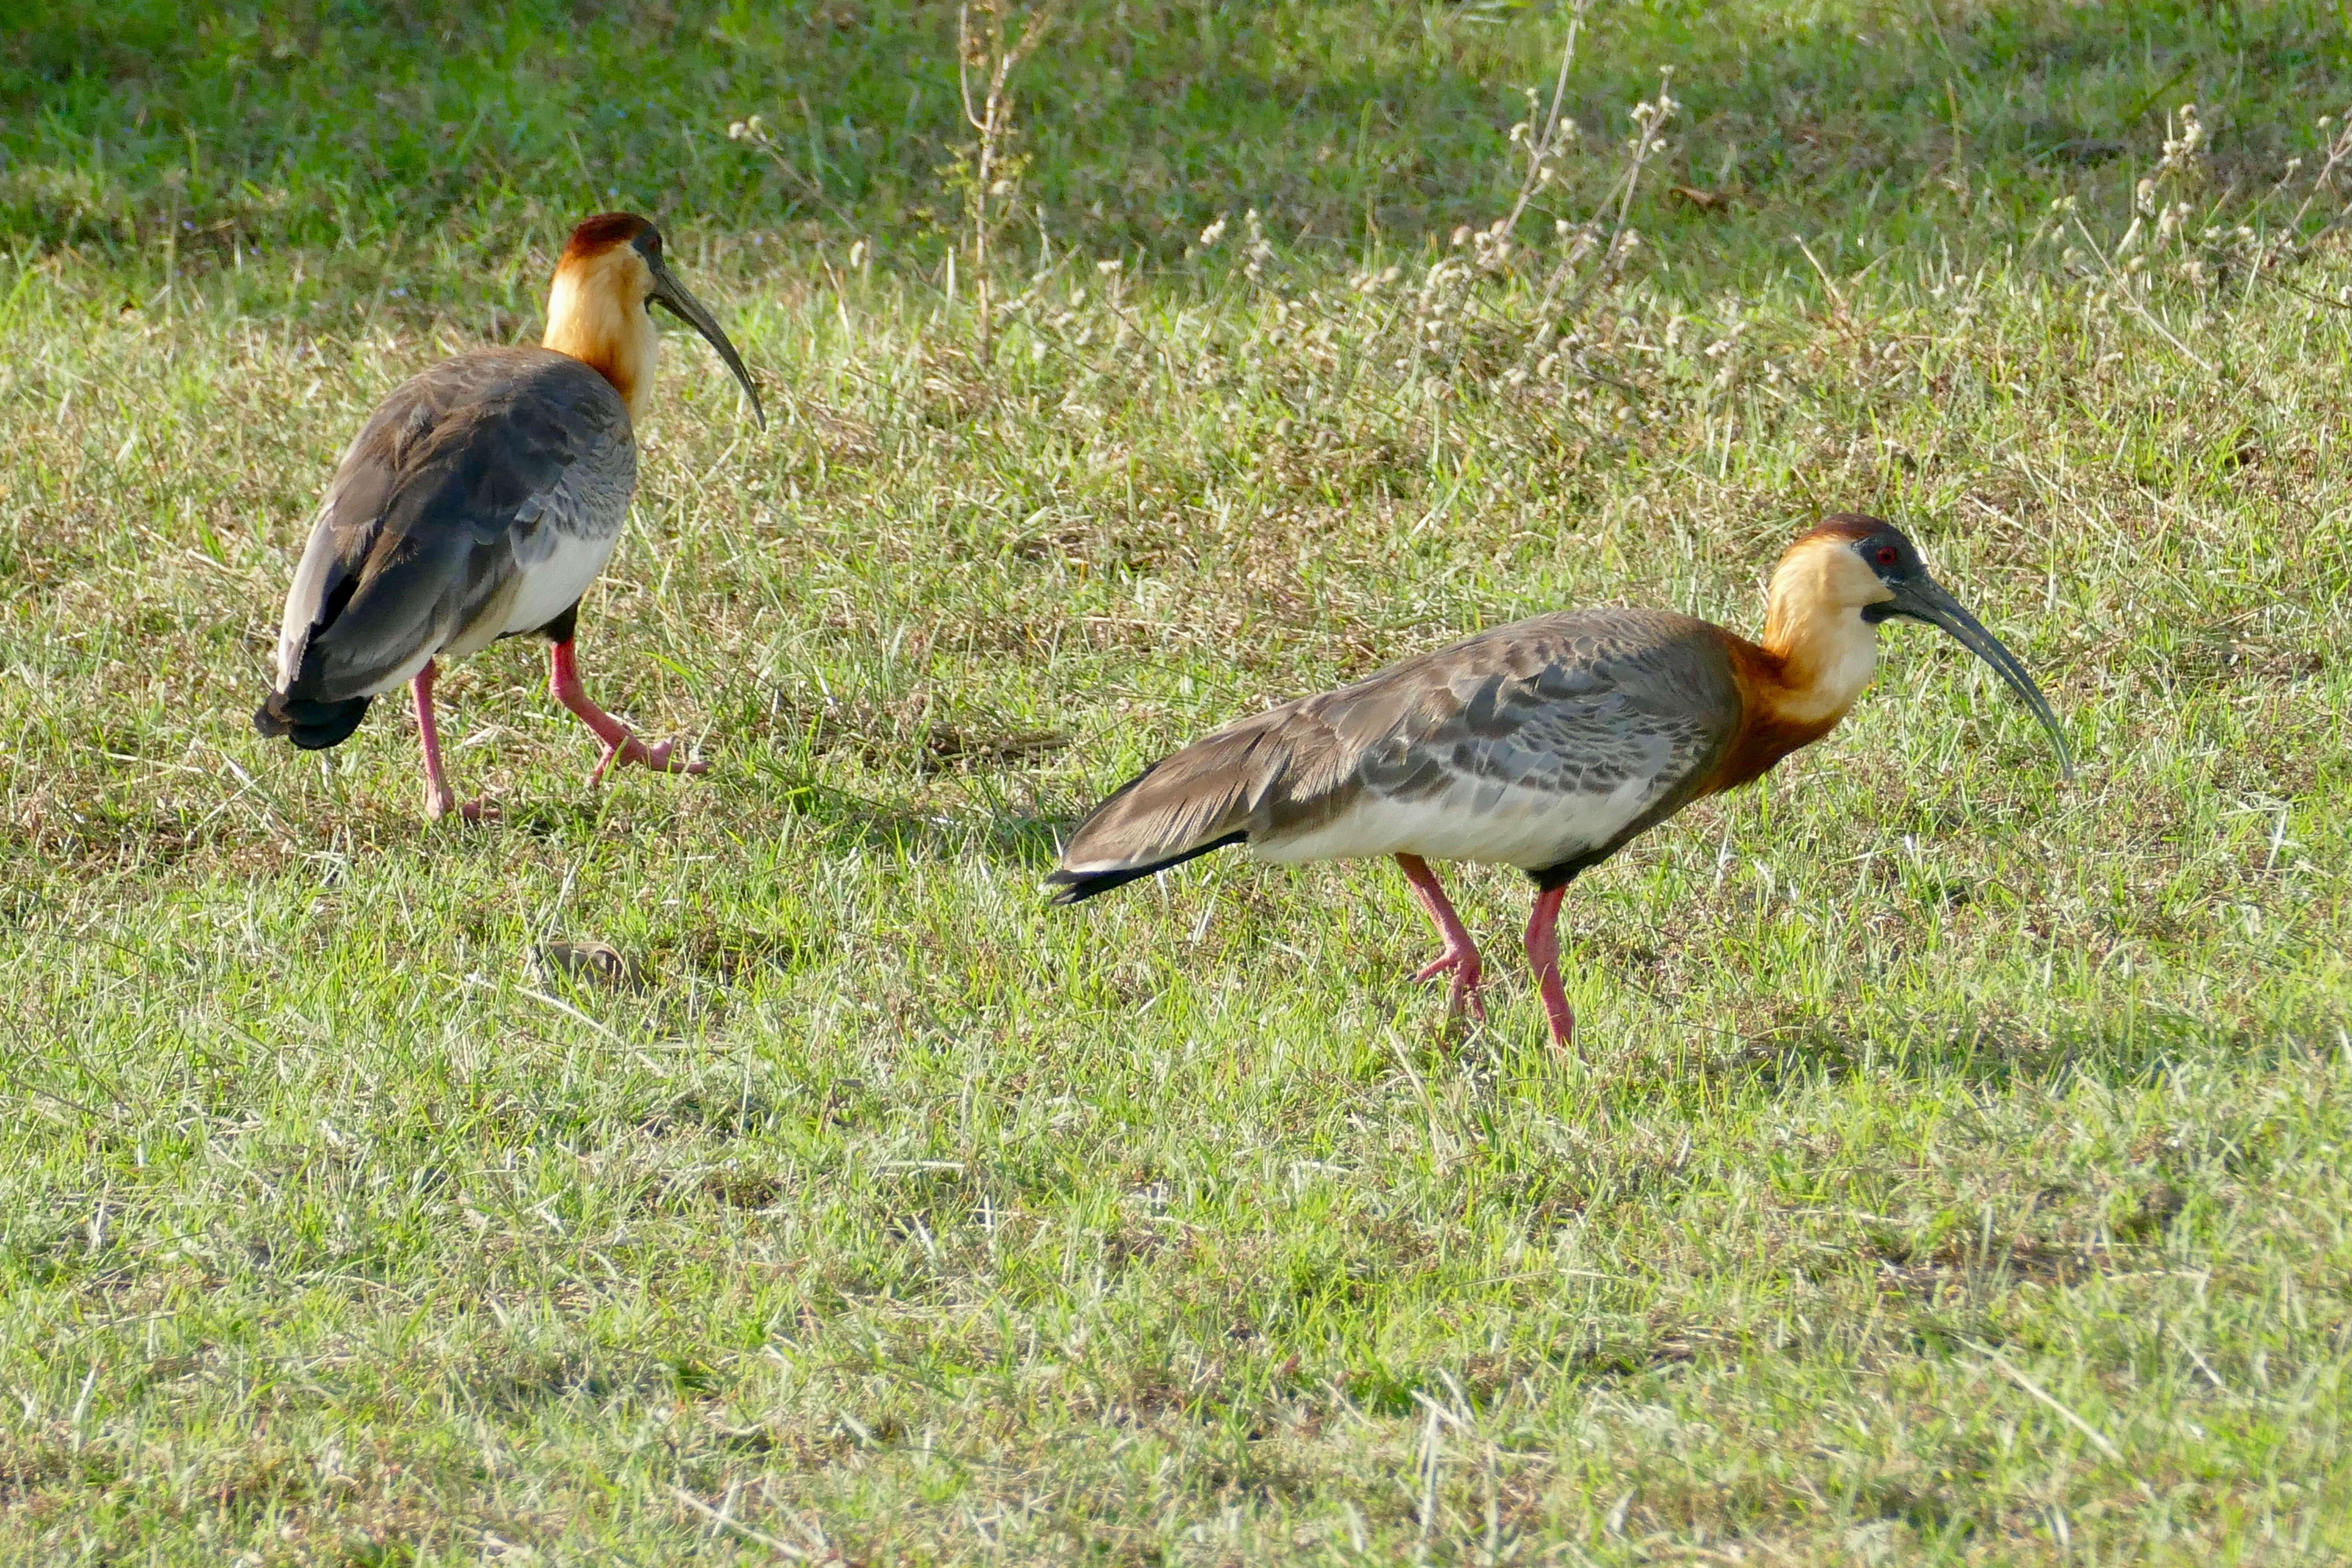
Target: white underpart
[(1472, 820), (555, 576), (401, 677), (555, 567)]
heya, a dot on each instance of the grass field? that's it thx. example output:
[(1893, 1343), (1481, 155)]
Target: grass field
[(1953, 1167)]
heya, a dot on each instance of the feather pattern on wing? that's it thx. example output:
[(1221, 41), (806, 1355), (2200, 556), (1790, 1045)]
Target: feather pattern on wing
[(481, 501), (1544, 744)]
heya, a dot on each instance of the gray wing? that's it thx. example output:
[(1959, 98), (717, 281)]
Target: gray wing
[(470, 474), (1579, 704), (1535, 744)]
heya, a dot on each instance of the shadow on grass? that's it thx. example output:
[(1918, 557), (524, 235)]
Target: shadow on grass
[(847, 820), (314, 125), (1999, 1051)]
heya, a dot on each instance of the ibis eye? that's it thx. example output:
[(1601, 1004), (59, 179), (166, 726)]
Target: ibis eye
[(1886, 556)]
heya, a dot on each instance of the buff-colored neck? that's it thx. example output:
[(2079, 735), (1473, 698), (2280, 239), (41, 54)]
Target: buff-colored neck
[(1814, 631), (595, 313)]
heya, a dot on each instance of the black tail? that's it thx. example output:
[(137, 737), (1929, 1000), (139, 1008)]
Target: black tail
[(314, 726), (1078, 887)]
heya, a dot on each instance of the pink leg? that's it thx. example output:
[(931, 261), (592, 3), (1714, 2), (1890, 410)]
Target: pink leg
[(440, 800), (1543, 957), (620, 746), (1461, 955)]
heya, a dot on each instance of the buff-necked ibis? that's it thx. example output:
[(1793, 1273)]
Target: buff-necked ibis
[(479, 502), (1547, 744)]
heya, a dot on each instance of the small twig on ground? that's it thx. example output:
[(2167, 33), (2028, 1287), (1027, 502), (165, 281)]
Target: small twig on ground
[(783, 1549), (1542, 147), (993, 178), (2098, 1439), (2131, 299), (754, 131)]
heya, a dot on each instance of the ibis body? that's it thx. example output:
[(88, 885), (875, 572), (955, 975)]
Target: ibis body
[(479, 502), (1548, 744)]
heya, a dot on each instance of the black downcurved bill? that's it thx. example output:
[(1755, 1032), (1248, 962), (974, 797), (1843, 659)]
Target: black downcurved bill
[(672, 296), (1922, 598)]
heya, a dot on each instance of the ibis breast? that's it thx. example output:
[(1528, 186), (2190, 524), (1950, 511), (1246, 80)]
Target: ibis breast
[(479, 500)]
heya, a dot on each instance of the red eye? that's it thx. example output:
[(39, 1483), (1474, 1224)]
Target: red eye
[(1886, 555)]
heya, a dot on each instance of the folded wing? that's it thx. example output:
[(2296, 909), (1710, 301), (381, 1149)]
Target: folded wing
[(1542, 744), (482, 489)]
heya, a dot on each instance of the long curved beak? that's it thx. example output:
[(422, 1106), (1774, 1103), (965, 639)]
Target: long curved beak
[(1924, 599), (672, 296)]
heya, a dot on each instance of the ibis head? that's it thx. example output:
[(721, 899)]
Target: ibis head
[(1870, 567), (600, 309)]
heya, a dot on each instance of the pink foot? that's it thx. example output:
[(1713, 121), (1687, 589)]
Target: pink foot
[(621, 747), (1543, 956), (1461, 955), (442, 802), (631, 752), (1468, 975)]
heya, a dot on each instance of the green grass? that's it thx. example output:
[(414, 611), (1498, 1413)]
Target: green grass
[(1953, 1164)]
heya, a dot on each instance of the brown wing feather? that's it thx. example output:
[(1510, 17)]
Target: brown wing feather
[(418, 536), (1561, 706), (1222, 785)]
